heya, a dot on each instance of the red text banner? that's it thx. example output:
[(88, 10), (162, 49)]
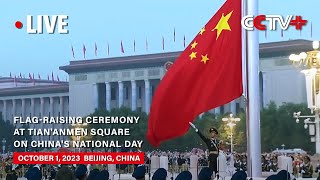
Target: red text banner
[(77, 158)]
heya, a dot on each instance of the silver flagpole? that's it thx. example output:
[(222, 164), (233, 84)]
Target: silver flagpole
[(245, 85), (253, 96)]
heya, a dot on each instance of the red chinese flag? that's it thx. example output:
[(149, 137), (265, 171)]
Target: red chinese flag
[(72, 51), (162, 43), (134, 45), (174, 35), (84, 51), (122, 49), (146, 44), (108, 49), (95, 49), (206, 75), (52, 77)]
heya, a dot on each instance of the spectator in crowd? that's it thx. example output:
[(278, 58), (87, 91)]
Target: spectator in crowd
[(160, 174), (307, 168), (103, 175), (139, 173), (81, 172), (205, 174), (184, 175), (65, 173), (93, 174), (34, 173)]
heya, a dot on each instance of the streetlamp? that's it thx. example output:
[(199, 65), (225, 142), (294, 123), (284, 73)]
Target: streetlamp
[(310, 61), (231, 122), (3, 145)]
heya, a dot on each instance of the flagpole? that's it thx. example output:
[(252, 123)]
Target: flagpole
[(244, 53), (245, 86), (253, 96)]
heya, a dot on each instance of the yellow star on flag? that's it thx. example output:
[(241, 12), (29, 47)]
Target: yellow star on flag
[(204, 58), (202, 31), (193, 55), (223, 24), (194, 44)]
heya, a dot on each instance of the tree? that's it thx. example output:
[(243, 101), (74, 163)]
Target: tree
[(137, 131), (7, 131), (277, 127)]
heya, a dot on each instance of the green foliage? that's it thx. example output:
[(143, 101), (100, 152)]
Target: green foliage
[(137, 131), (191, 139), (25, 137), (277, 127), (6, 132)]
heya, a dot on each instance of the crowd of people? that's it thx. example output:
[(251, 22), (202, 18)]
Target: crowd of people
[(88, 172), (301, 163), (178, 165), (178, 162)]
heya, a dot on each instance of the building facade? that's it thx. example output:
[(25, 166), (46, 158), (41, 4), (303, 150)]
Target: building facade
[(131, 82), (24, 98)]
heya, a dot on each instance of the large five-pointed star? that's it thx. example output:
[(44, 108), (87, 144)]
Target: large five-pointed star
[(223, 24), (193, 55), (204, 58)]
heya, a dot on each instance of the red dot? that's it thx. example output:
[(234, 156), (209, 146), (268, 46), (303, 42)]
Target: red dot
[(19, 25)]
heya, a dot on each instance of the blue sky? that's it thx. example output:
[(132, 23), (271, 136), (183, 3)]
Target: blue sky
[(103, 22)]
